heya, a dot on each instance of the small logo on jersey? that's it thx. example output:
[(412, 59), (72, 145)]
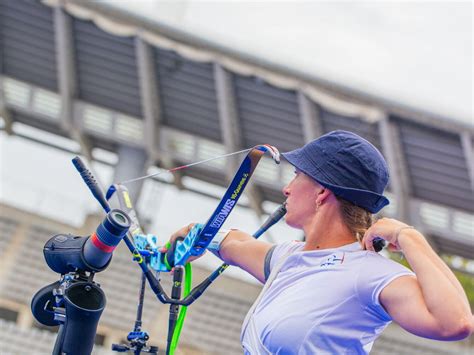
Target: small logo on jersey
[(334, 259)]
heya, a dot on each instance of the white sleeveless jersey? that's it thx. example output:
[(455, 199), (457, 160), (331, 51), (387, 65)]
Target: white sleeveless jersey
[(320, 302)]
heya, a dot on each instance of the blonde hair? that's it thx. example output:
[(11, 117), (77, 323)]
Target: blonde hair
[(357, 219)]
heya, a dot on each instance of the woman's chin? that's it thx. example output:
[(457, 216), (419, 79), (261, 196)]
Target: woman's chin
[(291, 223)]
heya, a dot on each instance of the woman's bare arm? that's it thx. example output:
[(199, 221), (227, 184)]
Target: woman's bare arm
[(433, 304), (239, 249)]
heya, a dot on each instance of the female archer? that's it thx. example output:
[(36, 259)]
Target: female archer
[(332, 294)]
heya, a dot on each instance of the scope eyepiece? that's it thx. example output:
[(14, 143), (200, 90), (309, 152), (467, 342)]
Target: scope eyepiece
[(100, 245)]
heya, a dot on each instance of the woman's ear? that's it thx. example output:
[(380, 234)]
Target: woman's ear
[(323, 195)]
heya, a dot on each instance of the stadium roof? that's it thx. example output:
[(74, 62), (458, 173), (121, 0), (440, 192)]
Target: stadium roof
[(110, 79), (399, 50)]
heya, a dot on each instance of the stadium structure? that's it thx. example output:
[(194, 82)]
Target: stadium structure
[(157, 97)]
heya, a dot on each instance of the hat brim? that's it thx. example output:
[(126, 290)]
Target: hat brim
[(369, 200)]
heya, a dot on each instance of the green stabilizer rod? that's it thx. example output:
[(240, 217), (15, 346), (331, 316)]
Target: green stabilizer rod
[(174, 308), (182, 313)]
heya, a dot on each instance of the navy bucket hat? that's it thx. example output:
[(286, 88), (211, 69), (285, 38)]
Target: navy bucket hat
[(348, 165)]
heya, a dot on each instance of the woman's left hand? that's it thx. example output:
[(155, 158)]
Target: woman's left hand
[(387, 229)]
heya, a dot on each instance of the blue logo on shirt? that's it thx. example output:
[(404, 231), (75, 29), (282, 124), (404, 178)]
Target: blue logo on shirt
[(333, 260)]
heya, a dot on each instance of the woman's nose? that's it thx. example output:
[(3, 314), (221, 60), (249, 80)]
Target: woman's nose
[(285, 190)]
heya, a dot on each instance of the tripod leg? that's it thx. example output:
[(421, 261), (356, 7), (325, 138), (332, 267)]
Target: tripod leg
[(58, 345)]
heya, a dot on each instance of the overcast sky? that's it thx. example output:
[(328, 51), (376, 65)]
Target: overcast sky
[(417, 53)]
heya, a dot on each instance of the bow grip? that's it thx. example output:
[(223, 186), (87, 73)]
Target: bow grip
[(181, 250)]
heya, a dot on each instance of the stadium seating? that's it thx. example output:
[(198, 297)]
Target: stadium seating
[(213, 321)]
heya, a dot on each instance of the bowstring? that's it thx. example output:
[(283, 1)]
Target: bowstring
[(185, 166)]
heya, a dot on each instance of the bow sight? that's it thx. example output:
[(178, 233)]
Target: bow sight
[(76, 303)]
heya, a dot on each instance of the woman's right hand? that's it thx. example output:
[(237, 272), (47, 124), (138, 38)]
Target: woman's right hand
[(387, 229), (182, 232)]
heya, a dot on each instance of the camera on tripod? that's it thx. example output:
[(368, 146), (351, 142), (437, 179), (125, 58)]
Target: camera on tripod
[(76, 302)]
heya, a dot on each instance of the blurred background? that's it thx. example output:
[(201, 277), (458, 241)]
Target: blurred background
[(138, 87)]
